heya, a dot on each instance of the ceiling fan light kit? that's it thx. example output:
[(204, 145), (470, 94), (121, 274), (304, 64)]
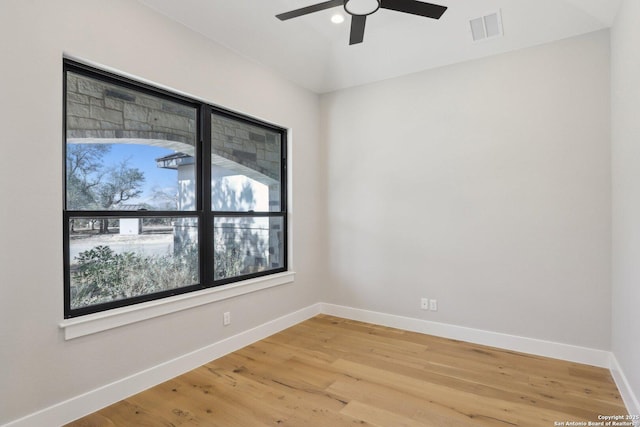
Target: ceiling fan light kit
[(360, 9)]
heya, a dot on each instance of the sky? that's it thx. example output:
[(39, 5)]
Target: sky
[(143, 157)]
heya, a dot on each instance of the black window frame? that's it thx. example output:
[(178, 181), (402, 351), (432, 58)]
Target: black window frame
[(203, 212)]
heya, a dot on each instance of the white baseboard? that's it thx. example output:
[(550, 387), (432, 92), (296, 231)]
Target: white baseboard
[(87, 403), (628, 396), (571, 353), (94, 400), (589, 356)]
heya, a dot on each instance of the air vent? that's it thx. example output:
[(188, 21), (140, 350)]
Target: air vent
[(486, 27)]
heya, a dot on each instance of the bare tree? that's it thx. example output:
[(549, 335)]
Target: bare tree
[(84, 174), (165, 197), (121, 184), (91, 185)]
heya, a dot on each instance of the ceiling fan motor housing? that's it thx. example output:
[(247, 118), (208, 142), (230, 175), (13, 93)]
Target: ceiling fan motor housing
[(361, 7)]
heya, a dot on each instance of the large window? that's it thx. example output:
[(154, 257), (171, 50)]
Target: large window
[(164, 194)]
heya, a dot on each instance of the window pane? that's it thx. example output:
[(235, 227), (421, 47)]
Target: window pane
[(127, 150), (247, 245), (245, 166), (118, 258)]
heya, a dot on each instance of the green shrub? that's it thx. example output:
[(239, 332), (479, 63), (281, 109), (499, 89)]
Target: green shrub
[(103, 276)]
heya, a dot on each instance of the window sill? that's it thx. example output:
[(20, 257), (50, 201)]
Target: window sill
[(90, 324)]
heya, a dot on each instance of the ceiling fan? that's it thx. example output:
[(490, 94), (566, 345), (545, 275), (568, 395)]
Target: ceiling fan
[(360, 9)]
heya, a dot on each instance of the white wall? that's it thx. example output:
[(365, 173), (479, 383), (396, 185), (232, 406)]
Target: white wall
[(625, 99), (485, 185), (39, 368)]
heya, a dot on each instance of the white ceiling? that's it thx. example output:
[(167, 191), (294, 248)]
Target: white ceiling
[(315, 53)]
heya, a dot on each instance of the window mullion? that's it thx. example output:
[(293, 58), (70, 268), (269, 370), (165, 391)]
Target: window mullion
[(206, 227)]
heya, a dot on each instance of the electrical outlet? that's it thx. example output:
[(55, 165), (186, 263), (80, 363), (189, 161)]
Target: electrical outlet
[(433, 305), (226, 318), (424, 303)]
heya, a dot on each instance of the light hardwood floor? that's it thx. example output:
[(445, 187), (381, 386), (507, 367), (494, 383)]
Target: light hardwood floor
[(330, 372)]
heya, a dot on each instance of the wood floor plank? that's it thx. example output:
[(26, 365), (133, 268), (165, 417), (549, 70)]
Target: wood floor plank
[(335, 372), (399, 402), (379, 417)]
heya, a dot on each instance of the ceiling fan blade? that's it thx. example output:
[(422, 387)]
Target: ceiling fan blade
[(357, 29), (310, 9), (414, 7)]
